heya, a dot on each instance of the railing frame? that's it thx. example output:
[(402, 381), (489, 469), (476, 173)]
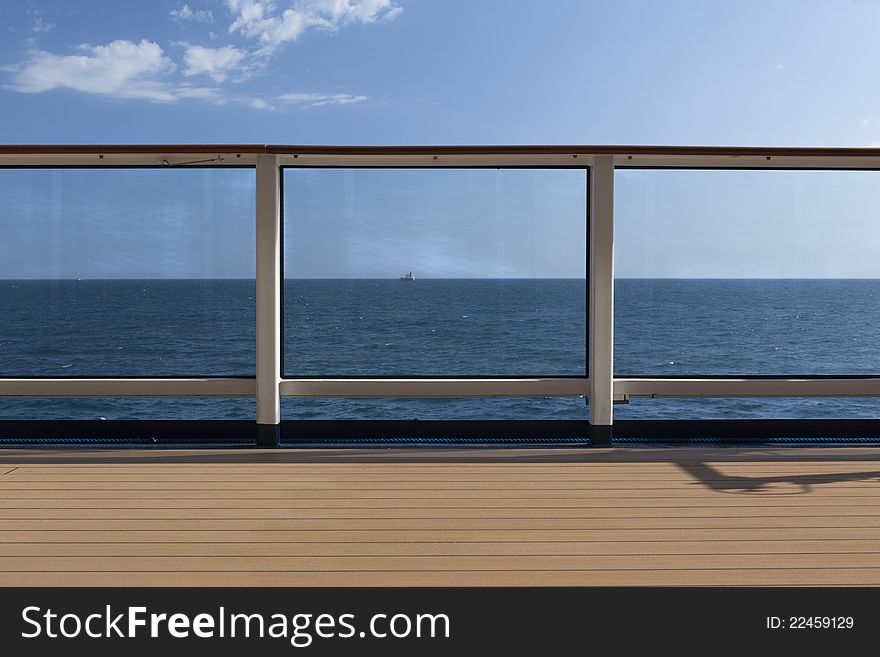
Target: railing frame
[(268, 297), (600, 337), (600, 387)]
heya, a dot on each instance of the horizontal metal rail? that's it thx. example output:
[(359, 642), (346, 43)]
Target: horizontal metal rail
[(441, 387), (446, 387), (365, 387), (125, 387), (747, 387)]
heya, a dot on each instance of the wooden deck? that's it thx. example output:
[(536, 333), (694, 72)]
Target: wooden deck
[(676, 516)]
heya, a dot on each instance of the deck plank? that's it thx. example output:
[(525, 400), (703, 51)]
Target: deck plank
[(586, 512), (792, 502), (730, 548)]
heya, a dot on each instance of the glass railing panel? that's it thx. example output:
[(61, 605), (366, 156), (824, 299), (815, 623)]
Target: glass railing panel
[(729, 272), (435, 272), (127, 272)]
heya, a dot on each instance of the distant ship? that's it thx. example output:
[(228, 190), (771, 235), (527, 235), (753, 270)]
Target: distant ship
[(408, 277)]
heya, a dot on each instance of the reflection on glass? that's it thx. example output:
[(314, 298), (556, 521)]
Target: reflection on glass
[(126, 272), (747, 273)]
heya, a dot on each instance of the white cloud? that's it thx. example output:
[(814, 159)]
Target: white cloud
[(248, 12), (40, 25), (120, 69), (186, 13), (203, 93), (214, 62), (344, 12), (780, 67), (257, 19), (319, 100), (141, 69)]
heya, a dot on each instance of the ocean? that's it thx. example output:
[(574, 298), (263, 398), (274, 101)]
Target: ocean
[(440, 327)]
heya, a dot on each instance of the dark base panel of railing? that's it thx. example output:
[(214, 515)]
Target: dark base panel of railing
[(134, 432), (748, 431), (292, 432), (452, 431), (328, 433)]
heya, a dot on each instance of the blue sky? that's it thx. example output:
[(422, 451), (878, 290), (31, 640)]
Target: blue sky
[(786, 72)]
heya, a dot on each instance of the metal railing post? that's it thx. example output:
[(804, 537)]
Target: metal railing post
[(601, 308), (268, 239)]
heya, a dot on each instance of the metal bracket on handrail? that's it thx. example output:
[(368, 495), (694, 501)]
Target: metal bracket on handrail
[(166, 163)]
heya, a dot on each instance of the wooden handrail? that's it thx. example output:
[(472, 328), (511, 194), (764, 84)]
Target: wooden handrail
[(579, 149)]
